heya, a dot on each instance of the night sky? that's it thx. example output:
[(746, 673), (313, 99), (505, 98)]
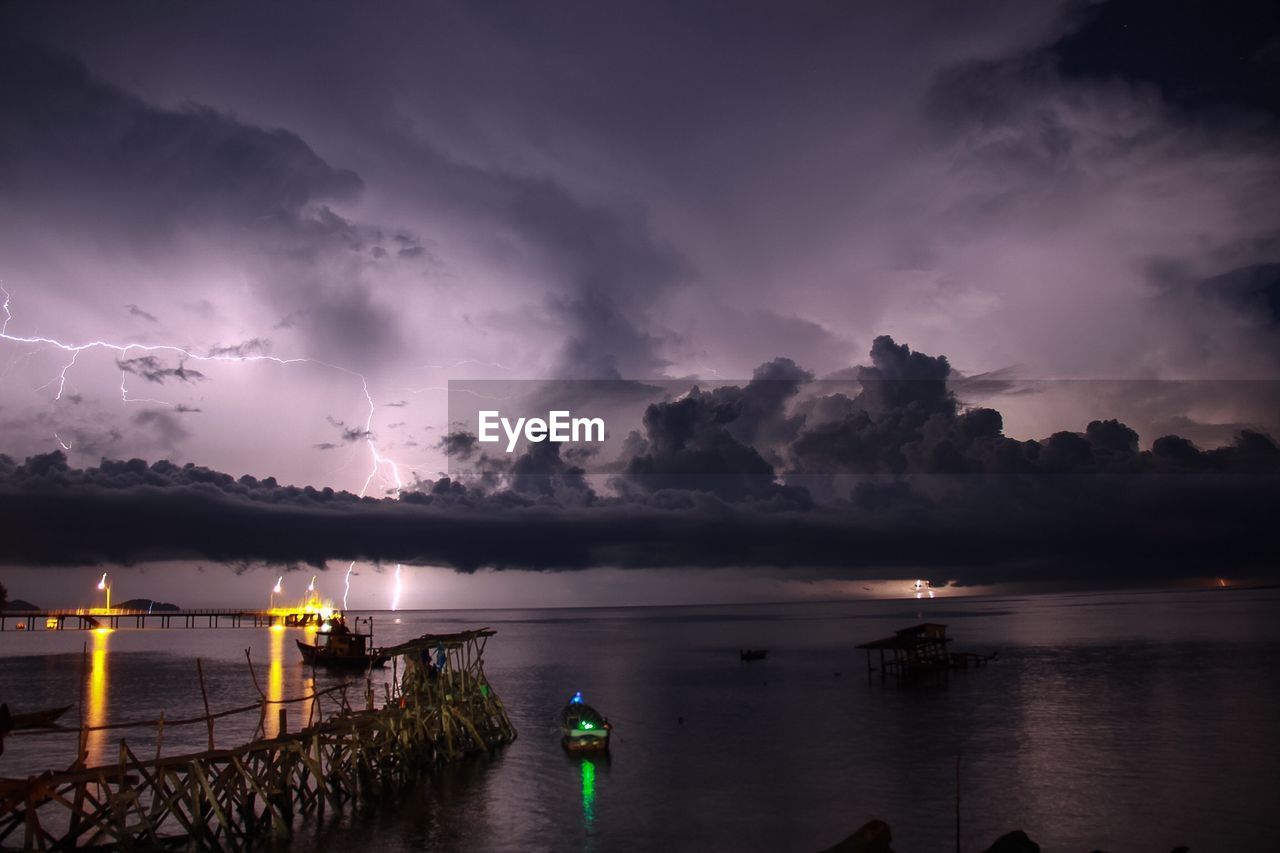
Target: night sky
[(985, 293)]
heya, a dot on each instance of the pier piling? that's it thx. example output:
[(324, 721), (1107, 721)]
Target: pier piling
[(235, 798)]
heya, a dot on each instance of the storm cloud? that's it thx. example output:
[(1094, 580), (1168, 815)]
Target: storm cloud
[(930, 487), (1070, 206)]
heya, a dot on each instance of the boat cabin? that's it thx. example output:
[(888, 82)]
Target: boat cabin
[(342, 643)]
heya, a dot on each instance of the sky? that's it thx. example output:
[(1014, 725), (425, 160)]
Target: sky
[(260, 242)]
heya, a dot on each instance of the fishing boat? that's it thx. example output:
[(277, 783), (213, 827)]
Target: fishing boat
[(44, 718), (753, 654), (338, 647), (584, 729)]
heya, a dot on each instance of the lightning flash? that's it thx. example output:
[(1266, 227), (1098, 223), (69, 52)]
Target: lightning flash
[(380, 463)]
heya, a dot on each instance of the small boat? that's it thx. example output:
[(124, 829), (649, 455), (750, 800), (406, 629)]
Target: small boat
[(42, 719), (584, 729), (338, 647), (45, 718), (753, 654)]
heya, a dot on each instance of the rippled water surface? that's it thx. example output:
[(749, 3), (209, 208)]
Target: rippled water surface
[(1127, 722)]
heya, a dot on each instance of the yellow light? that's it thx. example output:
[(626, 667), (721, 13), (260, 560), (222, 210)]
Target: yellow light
[(275, 679), (95, 743)]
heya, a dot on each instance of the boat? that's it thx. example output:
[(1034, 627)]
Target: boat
[(584, 729), (753, 654), (45, 718), (42, 719), (338, 647)]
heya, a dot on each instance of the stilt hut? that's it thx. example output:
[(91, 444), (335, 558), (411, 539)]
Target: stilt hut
[(920, 648)]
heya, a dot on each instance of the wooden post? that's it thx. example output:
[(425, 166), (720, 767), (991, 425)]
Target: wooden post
[(82, 741), (204, 694), (284, 721), (957, 802), (222, 798)]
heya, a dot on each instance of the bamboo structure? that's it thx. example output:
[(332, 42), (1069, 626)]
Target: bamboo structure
[(440, 708), (919, 649)]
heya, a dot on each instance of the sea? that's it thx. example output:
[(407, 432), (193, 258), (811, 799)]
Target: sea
[(1119, 721)]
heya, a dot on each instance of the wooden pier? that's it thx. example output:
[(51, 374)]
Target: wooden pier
[(238, 798), (97, 617)]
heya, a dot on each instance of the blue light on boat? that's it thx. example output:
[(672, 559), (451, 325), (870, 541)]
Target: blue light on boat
[(577, 698)]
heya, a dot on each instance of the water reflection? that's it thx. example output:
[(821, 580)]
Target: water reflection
[(1129, 709), (588, 793), (96, 711), (275, 681), (311, 708)]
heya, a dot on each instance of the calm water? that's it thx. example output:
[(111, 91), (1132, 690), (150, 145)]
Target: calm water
[(1128, 722)]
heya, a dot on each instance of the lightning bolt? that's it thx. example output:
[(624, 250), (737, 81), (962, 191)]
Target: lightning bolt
[(379, 462), (470, 391), (465, 361)]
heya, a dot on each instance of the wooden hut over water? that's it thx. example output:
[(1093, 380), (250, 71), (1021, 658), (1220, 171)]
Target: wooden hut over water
[(918, 649)]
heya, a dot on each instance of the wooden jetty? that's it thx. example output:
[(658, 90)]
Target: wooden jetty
[(440, 708), (919, 649), (98, 617)]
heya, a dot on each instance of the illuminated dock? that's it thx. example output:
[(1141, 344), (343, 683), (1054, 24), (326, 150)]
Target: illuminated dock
[(439, 708), (89, 618)]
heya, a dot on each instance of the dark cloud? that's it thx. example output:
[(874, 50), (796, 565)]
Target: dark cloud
[(933, 488), (244, 349), (69, 135), (164, 427), (1253, 291), (682, 193), (1114, 528), (349, 434), (135, 311), (154, 369), (1204, 55), (459, 444), (713, 439), (81, 152)]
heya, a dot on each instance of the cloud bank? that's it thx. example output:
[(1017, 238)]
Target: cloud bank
[(898, 477)]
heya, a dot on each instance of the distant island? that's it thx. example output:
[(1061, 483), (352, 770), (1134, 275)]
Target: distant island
[(146, 604), (150, 605), (19, 606)]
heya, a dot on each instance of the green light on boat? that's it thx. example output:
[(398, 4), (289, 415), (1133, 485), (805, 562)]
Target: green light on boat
[(586, 726)]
